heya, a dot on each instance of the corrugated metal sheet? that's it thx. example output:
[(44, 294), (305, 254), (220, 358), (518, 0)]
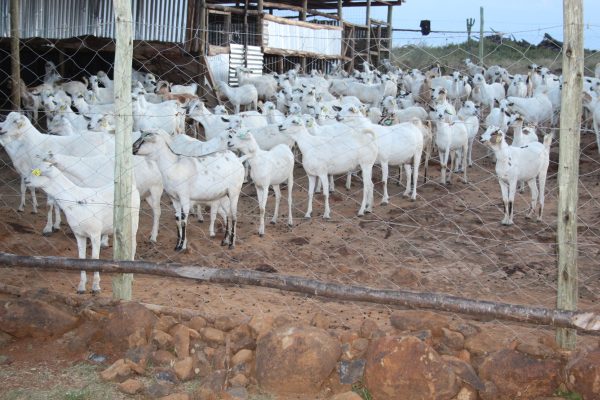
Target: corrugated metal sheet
[(154, 20), (254, 59), (219, 66), (300, 38)]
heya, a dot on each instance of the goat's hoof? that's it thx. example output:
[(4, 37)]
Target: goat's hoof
[(272, 222), (34, 212), (307, 216), (384, 203), (212, 235), (47, 233), (413, 199), (81, 292), (231, 246), (261, 234), (224, 242), (95, 292), (152, 240), (20, 210), (290, 225), (326, 217)]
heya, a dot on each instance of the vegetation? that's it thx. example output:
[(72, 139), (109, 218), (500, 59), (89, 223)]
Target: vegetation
[(512, 55)]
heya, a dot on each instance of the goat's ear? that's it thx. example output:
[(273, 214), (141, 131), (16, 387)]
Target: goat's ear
[(337, 108), (225, 119)]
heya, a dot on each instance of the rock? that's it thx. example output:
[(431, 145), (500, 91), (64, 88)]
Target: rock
[(33, 318), (219, 360), (410, 320), (201, 365), (583, 374), (346, 396), (213, 335), (368, 328), (78, 340), (137, 339), (125, 319), (452, 340), (260, 325), (405, 367), (227, 323), (465, 328), (204, 393), (215, 382), (166, 375), (157, 390), (181, 340), (5, 339), (176, 396), (241, 356), (197, 323), (131, 386), (509, 374), (282, 321), (319, 320), (163, 358), (295, 360), (237, 393), (184, 369), (162, 339), (351, 371), (536, 349), (466, 393), (139, 355), (165, 323), (484, 343), (348, 336), (239, 380), (465, 372), (118, 370), (241, 338)]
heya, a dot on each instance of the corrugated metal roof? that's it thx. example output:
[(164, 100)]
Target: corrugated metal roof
[(154, 20)]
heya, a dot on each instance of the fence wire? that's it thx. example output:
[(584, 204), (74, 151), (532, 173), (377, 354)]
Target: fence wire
[(449, 240)]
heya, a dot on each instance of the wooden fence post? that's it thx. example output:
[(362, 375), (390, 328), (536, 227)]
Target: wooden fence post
[(568, 167), (122, 215), (15, 55), (481, 36)]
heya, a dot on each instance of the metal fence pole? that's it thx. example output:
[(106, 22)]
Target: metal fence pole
[(122, 223), (568, 168)]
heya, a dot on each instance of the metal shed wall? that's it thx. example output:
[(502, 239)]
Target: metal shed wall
[(154, 20), (300, 38)]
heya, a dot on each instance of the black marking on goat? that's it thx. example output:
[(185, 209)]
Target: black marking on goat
[(510, 208)]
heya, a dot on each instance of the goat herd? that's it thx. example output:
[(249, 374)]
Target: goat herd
[(338, 123)]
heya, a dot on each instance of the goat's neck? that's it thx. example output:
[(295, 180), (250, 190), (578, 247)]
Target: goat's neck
[(518, 131), (502, 154), (63, 189)]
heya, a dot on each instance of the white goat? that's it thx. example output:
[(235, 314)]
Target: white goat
[(190, 179), (514, 164), (488, 92), (266, 85), (167, 116), (267, 168), (323, 156), (469, 114), (535, 110), (451, 135), (89, 211), (240, 96)]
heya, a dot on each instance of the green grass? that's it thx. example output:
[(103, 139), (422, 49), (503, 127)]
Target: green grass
[(83, 384), (512, 55), (360, 389)]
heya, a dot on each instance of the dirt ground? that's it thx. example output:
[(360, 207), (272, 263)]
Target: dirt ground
[(449, 241)]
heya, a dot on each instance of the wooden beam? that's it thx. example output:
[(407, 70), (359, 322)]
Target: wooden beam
[(310, 11), (303, 10), (340, 9), (368, 23), (584, 321), (390, 28), (15, 53)]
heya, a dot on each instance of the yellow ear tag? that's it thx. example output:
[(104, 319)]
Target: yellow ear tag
[(310, 124), (36, 172), (498, 139)]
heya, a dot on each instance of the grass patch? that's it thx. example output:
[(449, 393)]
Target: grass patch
[(78, 382), (360, 389)]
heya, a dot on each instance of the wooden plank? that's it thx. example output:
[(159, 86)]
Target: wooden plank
[(294, 53), (568, 166), (310, 25)]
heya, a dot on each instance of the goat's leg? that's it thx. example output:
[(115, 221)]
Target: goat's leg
[(21, 207), (277, 191), (154, 201), (367, 201), (471, 140), (214, 209), (465, 151), (95, 255), (290, 185), (311, 192), (534, 196), (443, 163), (325, 182), (232, 217), (262, 194), (177, 207), (349, 180), (384, 178), (185, 212), (512, 188), (48, 229), (81, 249), (504, 190), (415, 178)]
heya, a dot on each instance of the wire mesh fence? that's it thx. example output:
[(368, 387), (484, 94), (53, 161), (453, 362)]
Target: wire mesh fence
[(450, 240)]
